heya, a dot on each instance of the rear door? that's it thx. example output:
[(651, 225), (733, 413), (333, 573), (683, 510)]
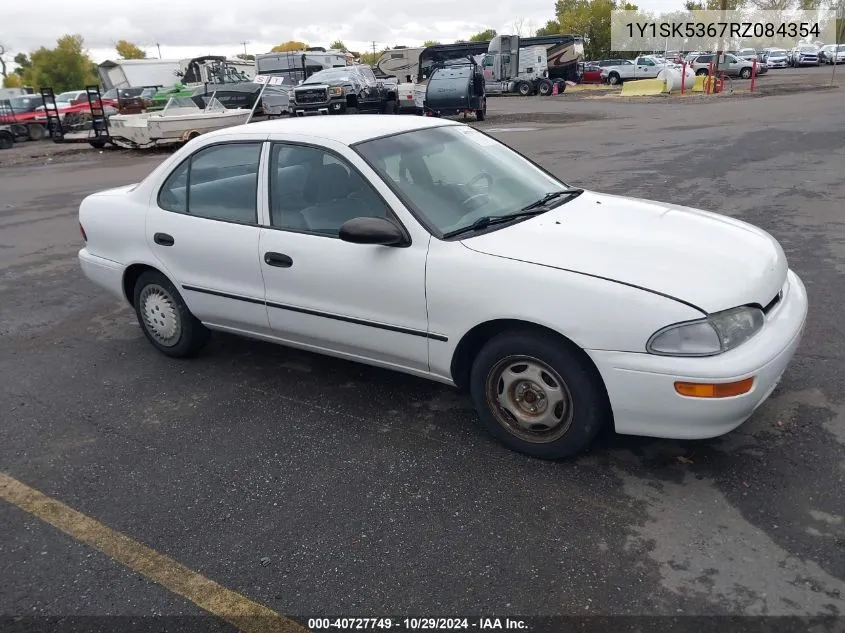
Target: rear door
[(202, 226)]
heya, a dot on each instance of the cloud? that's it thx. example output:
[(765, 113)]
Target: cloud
[(207, 24)]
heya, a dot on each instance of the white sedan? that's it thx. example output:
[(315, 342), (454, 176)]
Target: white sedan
[(425, 246)]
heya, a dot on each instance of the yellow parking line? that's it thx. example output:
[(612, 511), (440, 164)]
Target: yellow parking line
[(243, 613)]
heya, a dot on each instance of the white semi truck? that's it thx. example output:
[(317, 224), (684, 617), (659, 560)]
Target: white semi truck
[(509, 68)]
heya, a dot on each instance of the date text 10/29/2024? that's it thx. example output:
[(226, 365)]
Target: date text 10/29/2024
[(417, 624)]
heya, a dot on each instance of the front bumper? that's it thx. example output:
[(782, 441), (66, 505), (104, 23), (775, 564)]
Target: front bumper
[(334, 106), (641, 386), (781, 63)]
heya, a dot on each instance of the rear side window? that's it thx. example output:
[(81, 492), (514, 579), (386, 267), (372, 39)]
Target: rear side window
[(218, 182)]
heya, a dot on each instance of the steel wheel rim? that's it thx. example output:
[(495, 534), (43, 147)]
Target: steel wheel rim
[(529, 399), (160, 315)]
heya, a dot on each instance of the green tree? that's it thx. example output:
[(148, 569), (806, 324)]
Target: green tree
[(484, 36), (65, 67), (338, 45), (246, 57), (431, 43), (552, 27), (590, 19), (128, 50), (12, 80), (290, 45), (23, 63)]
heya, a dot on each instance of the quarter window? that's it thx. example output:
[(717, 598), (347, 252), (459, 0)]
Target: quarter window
[(315, 191), (218, 182)]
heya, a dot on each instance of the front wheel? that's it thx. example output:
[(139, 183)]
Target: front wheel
[(7, 141), (538, 396), (523, 88), (701, 72), (165, 319)]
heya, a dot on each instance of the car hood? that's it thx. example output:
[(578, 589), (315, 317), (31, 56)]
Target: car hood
[(708, 260)]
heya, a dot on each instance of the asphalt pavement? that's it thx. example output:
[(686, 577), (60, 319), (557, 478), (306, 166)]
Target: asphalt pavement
[(315, 486)]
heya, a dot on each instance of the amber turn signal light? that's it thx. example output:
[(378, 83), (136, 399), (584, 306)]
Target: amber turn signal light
[(714, 390)]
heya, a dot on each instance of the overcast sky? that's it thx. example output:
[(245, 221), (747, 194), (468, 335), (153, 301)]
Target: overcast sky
[(189, 28)]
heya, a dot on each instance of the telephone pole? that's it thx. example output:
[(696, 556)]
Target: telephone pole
[(244, 44), (158, 48)]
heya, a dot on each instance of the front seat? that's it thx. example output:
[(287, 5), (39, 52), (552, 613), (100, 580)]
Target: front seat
[(326, 191)]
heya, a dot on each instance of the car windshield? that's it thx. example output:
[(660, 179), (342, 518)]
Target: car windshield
[(24, 104), (330, 74), (65, 97), (452, 176)]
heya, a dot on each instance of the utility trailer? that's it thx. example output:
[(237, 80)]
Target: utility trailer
[(91, 117)]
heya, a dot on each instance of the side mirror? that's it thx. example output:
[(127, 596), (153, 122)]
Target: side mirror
[(366, 230)]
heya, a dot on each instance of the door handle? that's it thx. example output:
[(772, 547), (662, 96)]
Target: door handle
[(280, 260), (163, 239)]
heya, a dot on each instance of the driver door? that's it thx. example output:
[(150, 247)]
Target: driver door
[(360, 301)]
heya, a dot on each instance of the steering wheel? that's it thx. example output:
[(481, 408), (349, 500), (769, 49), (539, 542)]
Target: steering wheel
[(482, 176)]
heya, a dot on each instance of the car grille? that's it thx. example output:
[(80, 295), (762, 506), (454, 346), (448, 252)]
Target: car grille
[(312, 95)]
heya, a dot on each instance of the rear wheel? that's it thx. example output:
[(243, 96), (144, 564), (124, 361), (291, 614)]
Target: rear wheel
[(701, 72), (165, 319), (544, 88), (35, 131), (745, 73), (614, 79), (537, 395), (523, 88), (481, 114)]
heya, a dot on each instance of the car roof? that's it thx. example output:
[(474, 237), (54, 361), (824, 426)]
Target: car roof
[(347, 128)]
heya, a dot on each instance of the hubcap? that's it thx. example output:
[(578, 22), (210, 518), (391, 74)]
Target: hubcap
[(529, 399), (161, 317)]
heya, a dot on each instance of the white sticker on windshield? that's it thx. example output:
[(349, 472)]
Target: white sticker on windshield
[(477, 137)]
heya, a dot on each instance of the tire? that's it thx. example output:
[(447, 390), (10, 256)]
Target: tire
[(745, 73), (35, 131), (614, 79), (161, 310), (481, 114), (523, 88), (544, 88), (351, 110), (97, 143), (701, 72), (391, 107), (7, 141), (582, 406)]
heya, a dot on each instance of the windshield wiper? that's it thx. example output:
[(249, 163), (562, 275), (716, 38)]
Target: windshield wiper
[(490, 220), (552, 196), (535, 208)]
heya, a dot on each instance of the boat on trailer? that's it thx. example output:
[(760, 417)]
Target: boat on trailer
[(180, 120)]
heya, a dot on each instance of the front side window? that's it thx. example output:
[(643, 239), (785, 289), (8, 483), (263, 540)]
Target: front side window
[(450, 176), (315, 191), (218, 183)]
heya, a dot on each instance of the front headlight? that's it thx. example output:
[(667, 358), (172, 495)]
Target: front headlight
[(336, 92), (712, 335)]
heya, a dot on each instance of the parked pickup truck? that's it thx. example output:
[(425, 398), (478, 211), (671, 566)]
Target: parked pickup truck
[(643, 67), (346, 89)]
